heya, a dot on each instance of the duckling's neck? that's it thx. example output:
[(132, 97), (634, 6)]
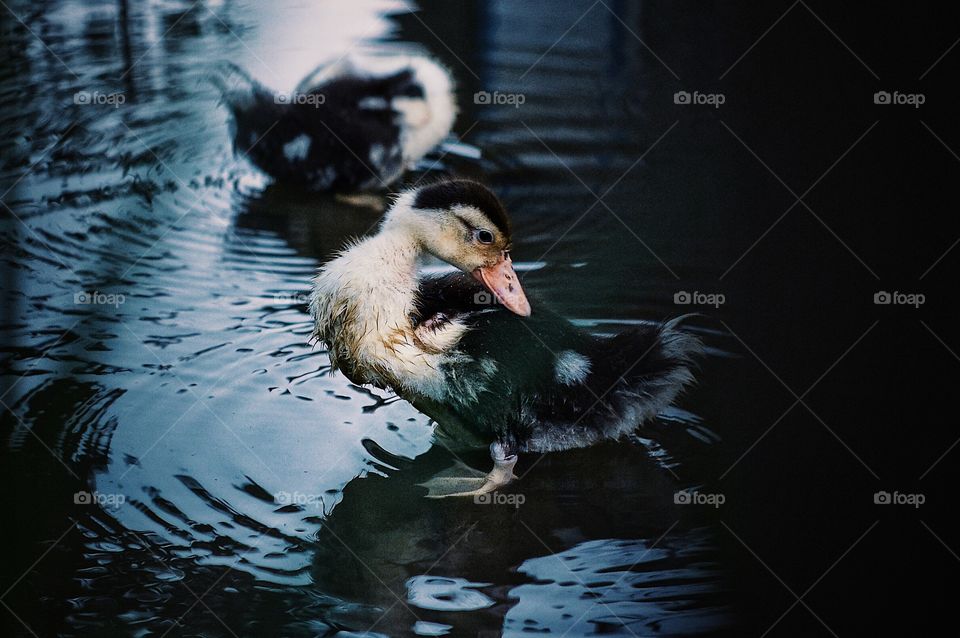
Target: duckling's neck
[(387, 264), (362, 303)]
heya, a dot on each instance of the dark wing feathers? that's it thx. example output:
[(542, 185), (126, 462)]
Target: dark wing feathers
[(342, 128), (550, 376)]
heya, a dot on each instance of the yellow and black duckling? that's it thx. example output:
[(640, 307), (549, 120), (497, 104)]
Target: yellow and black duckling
[(511, 374), (355, 124)]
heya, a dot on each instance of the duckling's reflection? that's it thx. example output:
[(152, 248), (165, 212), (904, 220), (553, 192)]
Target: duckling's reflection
[(385, 533), (316, 225)]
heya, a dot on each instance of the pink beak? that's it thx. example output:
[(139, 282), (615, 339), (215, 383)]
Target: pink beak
[(501, 280)]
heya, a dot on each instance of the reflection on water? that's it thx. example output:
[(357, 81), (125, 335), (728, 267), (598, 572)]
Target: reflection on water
[(446, 594), (156, 357), (627, 588)]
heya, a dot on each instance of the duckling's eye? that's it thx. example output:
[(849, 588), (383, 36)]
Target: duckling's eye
[(483, 236)]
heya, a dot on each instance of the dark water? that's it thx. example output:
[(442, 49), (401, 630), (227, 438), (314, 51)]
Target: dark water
[(239, 489)]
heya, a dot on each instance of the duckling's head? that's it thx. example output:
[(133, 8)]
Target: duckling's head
[(463, 223)]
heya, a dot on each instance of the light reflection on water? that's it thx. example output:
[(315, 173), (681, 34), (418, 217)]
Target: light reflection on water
[(244, 467), (628, 588)]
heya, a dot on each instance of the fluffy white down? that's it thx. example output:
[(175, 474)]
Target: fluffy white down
[(432, 127), (571, 367), (361, 303)]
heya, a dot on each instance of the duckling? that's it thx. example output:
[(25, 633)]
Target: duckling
[(352, 125), (471, 351)]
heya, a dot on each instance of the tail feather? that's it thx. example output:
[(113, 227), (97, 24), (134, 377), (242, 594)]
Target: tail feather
[(623, 381), (642, 371)]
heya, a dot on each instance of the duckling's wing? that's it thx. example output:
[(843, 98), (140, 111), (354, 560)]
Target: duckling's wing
[(540, 383), (454, 294), (520, 352), (550, 386)]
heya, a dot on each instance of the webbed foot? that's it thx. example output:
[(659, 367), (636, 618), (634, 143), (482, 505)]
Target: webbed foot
[(461, 480)]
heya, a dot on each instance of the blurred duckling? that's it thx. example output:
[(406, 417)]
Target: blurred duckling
[(352, 125)]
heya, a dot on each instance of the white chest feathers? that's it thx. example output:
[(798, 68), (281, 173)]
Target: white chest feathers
[(362, 303)]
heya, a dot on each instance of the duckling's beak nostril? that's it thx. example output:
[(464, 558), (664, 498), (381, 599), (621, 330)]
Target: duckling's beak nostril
[(500, 279)]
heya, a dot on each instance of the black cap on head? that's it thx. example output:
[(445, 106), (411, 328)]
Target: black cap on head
[(447, 194)]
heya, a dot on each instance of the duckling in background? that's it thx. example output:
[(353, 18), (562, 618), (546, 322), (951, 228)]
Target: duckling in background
[(468, 348), (355, 124)]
